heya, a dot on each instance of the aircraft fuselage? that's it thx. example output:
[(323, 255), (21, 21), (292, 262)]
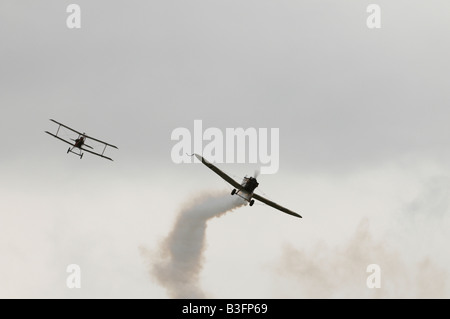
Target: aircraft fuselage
[(79, 142), (249, 184)]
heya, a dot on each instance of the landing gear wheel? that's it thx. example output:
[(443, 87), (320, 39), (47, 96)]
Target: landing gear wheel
[(68, 150), (81, 156), (233, 191), (252, 202)]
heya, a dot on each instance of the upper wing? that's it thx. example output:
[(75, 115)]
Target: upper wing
[(219, 172), (59, 138), (69, 128), (94, 139), (275, 205)]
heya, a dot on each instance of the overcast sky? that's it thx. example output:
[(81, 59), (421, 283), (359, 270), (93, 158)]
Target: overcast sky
[(364, 135)]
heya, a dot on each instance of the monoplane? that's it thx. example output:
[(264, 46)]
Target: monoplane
[(246, 189)]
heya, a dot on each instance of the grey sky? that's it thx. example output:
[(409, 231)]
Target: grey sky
[(362, 113)]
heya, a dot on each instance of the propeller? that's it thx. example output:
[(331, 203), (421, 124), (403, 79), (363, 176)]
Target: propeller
[(256, 174)]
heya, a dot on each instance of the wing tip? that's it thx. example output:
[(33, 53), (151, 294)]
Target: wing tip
[(200, 158)]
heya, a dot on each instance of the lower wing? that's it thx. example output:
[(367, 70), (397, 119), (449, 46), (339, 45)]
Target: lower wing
[(59, 138), (80, 147), (96, 154)]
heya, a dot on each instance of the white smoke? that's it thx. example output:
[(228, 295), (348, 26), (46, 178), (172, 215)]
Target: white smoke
[(340, 272), (178, 263)]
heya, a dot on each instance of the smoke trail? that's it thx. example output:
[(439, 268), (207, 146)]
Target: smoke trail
[(340, 272), (180, 257)]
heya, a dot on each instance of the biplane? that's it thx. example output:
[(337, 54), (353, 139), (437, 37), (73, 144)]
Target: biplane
[(80, 142), (246, 189)]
